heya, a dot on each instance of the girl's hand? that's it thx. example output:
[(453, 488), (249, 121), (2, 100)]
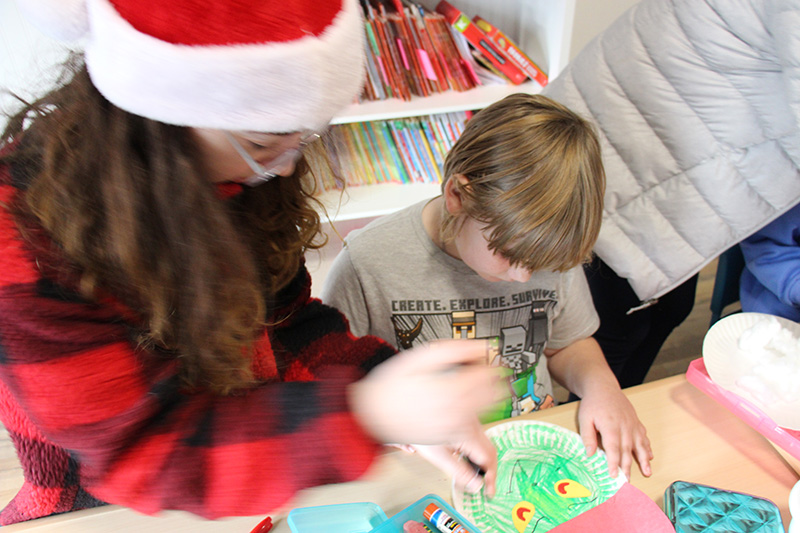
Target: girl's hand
[(428, 395), (472, 466)]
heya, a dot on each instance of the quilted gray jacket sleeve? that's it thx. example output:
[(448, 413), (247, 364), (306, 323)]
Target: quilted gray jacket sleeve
[(698, 106)]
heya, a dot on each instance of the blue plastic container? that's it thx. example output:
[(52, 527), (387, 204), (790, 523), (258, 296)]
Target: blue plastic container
[(343, 518), (367, 517)]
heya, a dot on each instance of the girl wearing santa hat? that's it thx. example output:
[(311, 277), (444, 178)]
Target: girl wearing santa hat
[(159, 347)]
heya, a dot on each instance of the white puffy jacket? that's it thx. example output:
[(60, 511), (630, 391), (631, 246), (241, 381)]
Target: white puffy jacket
[(698, 107)]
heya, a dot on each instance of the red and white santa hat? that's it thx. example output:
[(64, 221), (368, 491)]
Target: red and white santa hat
[(261, 65)]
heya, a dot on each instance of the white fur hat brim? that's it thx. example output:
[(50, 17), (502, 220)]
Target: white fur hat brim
[(274, 87)]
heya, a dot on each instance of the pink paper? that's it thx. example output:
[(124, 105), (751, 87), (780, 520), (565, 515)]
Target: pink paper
[(628, 511), (425, 62), (403, 54)]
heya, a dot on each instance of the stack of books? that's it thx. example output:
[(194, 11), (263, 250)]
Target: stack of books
[(405, 150), (413, 51)]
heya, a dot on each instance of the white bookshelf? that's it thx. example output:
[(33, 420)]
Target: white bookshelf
[(446, 102), (369, 201), (542, 28)]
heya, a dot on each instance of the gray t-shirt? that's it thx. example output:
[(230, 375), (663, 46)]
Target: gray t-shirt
[(392, 281)]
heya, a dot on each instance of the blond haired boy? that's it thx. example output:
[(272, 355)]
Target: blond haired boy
[(499, 256)]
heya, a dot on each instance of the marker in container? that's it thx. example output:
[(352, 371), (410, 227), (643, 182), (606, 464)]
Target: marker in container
[(412, 526), (442, 520)]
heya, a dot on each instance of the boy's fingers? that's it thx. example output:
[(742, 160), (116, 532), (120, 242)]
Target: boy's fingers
[(627, 462), (626, 450), (589, 436), (644, 454), (613, 450)]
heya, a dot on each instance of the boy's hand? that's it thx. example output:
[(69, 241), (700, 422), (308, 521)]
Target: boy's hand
[(607, 412), (604, 409)]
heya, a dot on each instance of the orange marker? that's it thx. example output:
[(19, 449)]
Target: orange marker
[(442, 520)]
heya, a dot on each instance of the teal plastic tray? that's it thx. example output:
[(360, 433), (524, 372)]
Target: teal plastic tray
[(693, 507), (367, 517), (414, 512), (343, 518)]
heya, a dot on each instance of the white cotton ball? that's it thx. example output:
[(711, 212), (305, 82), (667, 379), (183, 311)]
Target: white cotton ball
[(757, 388), (772, 355)]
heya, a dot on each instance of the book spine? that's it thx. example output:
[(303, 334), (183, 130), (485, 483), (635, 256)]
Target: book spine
[(379, 58), (512, 51), (435, 148), (451, 57), (423, 150), (417, 167), (365, 157), (382, 174), (481, 42), (432, 55), (389, 142), (391, 58), (374, 84), (395, 128), (405, 45)]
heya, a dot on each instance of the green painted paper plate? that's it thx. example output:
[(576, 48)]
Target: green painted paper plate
[(544, 478)]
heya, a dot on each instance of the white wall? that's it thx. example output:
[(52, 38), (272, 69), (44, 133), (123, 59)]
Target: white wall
[(592, 17), (27, 57)]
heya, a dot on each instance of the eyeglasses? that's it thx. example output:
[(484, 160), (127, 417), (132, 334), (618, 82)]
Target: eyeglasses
[(264, 173)]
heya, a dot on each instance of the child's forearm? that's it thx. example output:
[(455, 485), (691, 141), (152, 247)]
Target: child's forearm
[(581, 368)]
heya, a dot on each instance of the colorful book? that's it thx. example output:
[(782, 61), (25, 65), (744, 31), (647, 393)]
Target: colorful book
[(437, 147), (376, 158), (481, 42), (394, 128), (512, 51), (449, 54), (408, 150), (399, 86), (374, 83), (397, 161), (409, 46), (378, 58), (431, 171)]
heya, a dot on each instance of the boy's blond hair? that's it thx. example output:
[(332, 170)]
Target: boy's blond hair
[(535, 178)]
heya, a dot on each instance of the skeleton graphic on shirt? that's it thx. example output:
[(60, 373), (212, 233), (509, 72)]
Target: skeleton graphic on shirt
[(517, 339)]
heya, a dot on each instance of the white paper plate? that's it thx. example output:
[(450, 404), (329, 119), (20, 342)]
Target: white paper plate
[(727, 364), (536, 461)]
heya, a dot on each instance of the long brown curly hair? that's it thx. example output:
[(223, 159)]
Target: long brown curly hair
[(128, 203)]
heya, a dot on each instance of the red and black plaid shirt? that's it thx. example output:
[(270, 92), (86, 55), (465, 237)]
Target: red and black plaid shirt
[(95, 418)]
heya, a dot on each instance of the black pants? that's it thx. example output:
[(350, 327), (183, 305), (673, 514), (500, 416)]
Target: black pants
[(631, 342)]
